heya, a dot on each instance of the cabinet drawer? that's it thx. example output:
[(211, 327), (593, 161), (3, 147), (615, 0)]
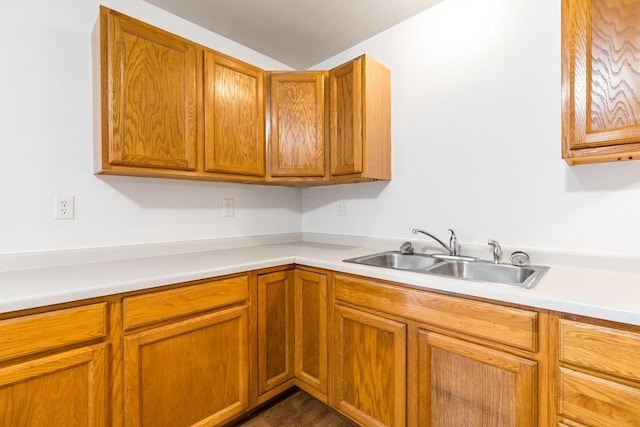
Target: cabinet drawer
[(41, 332), (598, 402), (601, 348), (505, 325), (157, 306)]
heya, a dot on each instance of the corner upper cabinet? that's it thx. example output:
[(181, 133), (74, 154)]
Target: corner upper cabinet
[(600, 81), (234, 142), (149, 99), (297, 127), (360, 121)]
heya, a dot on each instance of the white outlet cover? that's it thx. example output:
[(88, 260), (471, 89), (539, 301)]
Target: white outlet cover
[(64, 207)]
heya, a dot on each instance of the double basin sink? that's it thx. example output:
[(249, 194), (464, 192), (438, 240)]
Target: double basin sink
[(525, 277)]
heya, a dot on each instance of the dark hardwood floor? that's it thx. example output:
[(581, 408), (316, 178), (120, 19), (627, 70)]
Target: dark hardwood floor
[(297, 410)]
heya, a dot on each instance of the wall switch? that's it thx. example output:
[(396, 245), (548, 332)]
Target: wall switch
[(227, 207), (341, 208), (64, 207)]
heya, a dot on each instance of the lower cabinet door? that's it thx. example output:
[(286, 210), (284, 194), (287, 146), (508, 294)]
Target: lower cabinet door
[(370, 383), (63, 390), (459, 381), (192, 372), (311, 331), (275, 329)]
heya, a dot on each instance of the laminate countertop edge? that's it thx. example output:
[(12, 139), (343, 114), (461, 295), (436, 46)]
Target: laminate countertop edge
[(596, 293)]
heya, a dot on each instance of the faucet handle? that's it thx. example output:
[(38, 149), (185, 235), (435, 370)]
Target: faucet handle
[(454, 247), (496, 250)]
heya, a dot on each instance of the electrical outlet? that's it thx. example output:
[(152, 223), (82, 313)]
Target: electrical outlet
[(227, 207), (341, 208), (64, 207)]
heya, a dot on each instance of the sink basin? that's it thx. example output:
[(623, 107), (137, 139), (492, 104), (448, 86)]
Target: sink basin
[(525, 277), (489, 272), (398, 261)]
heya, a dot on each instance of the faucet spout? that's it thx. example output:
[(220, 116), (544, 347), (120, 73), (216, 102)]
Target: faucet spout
[(452, 248)]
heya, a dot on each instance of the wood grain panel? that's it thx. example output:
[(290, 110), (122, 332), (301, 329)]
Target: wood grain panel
[(41, 332), (64, 390), (506, 325), (275, 329), (600, 348), (311, 329), (345, 118), (234, 116), (598, 402), (376, 144), (151, 96), (297, 124), (600, 80), (615, 64), (370, 378), (193, 372), (460, 381), (158, 306)]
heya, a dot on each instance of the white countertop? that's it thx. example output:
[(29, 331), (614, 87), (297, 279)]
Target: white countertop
[(597, 293)]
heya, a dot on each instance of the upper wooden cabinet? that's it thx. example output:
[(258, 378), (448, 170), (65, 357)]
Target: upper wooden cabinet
[(167, 107), (600, 81), (360, 121), (149, 96), (233, 117), (170, 108), (297, 131)]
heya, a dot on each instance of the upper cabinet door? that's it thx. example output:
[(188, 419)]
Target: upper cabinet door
[(360, 121), (600, 80), (150, 110), (297, 141), (234, 117), (345, 119)]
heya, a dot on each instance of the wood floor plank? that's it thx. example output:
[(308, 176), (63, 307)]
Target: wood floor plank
[(298, 410)]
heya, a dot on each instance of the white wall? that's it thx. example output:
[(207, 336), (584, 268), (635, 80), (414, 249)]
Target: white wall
[(46, 144), (476, 139)]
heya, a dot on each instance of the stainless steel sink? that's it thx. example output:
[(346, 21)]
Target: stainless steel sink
[(397, 261), (525, 277)]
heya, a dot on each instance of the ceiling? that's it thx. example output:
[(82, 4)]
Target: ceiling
[(298, 33)]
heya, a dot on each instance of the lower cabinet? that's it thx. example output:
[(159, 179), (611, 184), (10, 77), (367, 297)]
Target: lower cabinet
[(67, 389), (186, 354), (275, 330), (460, 381), (311, 304), (189, 372), (370, 376), (53, 368), (205, 353), (598, 373)]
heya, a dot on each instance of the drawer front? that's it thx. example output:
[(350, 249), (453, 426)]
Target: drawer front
[(597, 402), (36, 333), (157, 306), (505, 325), (597, 347)]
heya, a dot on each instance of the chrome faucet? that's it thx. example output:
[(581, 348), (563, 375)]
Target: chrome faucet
[(453, 247), (496, 250)]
